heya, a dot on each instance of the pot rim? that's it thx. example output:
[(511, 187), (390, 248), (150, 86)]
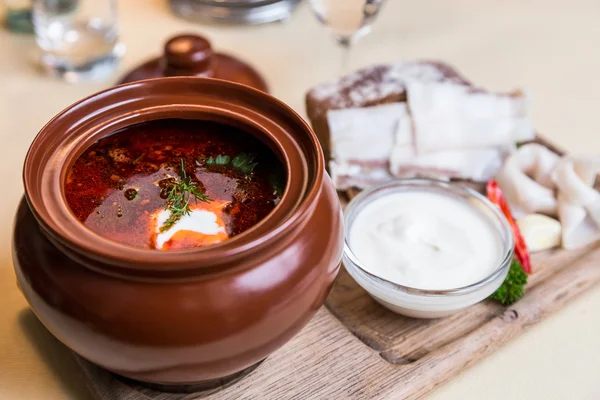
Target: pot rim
[(53, 151)]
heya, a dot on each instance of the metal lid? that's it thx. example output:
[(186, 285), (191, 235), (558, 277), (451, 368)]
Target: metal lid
[(235, 11)]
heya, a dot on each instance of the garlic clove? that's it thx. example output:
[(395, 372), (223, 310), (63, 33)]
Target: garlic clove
[(540, 232)]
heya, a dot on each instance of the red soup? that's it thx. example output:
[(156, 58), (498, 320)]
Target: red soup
[(173, 184)]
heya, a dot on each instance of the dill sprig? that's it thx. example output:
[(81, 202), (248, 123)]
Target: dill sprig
[(180, 193)]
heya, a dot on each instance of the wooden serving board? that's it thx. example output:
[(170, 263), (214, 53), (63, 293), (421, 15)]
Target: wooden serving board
[(355, 348)]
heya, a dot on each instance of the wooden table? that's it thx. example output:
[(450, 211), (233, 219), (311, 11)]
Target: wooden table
[(548, 46)]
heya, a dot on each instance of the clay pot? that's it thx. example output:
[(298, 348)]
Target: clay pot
[(188, 316), (192, 55)]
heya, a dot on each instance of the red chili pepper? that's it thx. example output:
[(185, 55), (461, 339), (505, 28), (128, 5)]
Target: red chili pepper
[(494, 193)]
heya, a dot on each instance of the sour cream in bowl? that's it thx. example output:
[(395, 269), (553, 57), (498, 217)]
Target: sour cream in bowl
[(426, 248)]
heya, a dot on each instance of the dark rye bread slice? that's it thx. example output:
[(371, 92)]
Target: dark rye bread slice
[(380, 84)]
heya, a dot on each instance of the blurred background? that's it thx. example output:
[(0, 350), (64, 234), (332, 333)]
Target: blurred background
[(547, 47)]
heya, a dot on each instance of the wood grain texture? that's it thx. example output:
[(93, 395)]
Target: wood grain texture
[(355, 348)]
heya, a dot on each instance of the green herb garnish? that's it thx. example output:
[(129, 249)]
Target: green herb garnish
[(180, 193), (277, 180), (218, 160), (140, 158), (243, 162), (512, 289)]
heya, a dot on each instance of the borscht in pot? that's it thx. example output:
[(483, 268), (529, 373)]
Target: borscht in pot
[(174, 184), (177, 231)]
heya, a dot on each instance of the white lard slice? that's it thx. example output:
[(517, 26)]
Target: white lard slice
[(476, 164), (449, 115), (361, 142)]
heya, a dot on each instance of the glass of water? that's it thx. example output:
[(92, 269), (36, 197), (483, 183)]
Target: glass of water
[(78, 39)]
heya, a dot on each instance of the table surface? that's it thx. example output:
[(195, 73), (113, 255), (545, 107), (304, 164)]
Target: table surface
[(549, 47)]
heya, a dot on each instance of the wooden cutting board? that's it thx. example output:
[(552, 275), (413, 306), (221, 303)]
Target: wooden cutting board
[(356, 349)]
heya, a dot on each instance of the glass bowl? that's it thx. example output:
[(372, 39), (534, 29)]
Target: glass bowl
[(427, 303)]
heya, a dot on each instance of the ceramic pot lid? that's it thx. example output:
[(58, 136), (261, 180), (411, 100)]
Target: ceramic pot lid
[(192, 55)]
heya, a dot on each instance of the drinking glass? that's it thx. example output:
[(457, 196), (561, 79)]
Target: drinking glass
[(348, 20), (78, 39)]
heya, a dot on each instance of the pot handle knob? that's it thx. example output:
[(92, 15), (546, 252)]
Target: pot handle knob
[(187, 55)]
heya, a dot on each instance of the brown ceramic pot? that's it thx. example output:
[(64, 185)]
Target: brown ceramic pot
[(187, 316)]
